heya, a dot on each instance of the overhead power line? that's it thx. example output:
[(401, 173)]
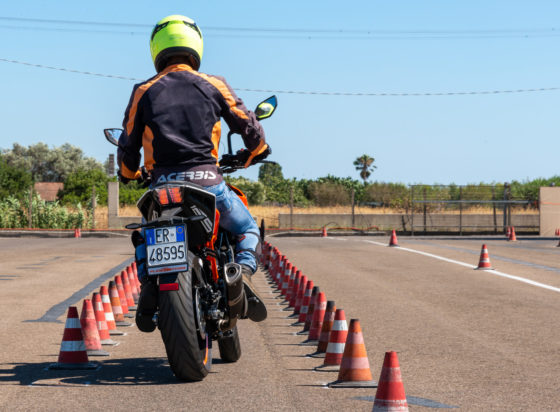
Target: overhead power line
[(310, 33), (302, 92)]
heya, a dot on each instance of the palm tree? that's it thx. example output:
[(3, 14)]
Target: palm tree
[(365, 165)]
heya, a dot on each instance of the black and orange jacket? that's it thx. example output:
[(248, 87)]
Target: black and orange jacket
[(175, 118)]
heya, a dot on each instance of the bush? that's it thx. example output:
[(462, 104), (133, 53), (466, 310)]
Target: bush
[(253, 190), (78, 187), (13, 181)]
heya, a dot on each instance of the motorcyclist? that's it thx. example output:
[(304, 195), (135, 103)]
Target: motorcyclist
[(175, 117)]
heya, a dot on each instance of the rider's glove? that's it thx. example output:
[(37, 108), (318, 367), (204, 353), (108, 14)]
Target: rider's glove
[(262, 156), (121, 178)]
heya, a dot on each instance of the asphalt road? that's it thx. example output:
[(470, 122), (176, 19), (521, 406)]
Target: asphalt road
[(467, 339)]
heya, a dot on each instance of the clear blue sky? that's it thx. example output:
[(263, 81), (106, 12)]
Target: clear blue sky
[(413, 47)]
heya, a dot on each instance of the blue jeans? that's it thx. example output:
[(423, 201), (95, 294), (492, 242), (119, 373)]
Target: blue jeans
[(236, 219)]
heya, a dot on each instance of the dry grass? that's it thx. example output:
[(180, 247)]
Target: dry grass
[(270, 213)]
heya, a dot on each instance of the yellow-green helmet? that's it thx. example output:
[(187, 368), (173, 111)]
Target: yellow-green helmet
[(176, 35)]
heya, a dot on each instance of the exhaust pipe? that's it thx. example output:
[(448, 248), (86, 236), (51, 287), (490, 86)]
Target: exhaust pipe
[(237, 302)]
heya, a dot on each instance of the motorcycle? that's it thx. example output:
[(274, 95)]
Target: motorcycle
[(191, 260)]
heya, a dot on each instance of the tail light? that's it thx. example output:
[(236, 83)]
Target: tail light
[(169, 195)]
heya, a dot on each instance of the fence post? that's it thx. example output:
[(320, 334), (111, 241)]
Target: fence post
[(93, 204), (425, 211), (494, 207), (291, 207), (353, 193), (411, 210), (461, 211), (30, 221)]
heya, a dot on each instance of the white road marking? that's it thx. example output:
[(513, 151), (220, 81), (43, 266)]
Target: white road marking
[(493, 272)]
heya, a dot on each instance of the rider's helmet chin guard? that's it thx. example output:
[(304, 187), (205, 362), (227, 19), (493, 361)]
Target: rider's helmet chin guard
[(176, 35)]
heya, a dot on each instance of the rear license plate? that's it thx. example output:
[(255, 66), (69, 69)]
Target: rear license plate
[(166, 249)]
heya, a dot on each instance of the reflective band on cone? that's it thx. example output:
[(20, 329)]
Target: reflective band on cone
[(73, 353), (390, 394), (354, 368)]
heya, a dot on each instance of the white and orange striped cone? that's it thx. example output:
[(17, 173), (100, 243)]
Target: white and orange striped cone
[(508, 232), (291, 298), (280, 272), (328, 321), (310, 310), (337, 341), (512, 237), (317, 320), (133, 286), (127, 291), (324, 232), (390, 394), (108, 309), (122, 297), (299, 296), (102, 326), (116, 305), (484, 262), (393, 241), (354, 369), (291, 281), (286, 279), (90, 334), (305, 304), (73, 353)]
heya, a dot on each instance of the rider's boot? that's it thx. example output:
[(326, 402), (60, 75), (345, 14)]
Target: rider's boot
[(256, 309), (147, 306), (147, 301)]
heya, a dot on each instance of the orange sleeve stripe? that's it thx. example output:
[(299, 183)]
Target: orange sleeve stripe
[(260, 148), (147, 139), (129, 174), (140, 92), (224, 90), (216, 134)]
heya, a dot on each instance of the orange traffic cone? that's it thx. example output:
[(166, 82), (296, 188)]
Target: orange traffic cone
[(116, 305), (133, 286), (316, 321), (324, 232), (89, 331), (390, 394), (354, 369), (393, 241), (484, 262), (102, 326), (508, 232), (73, 353), (299, 295), (108, 309), (512, 236), (122, 297), (295, 286), (305, 303), (127, 291), (310, 309), (328, 320), (337, 341)]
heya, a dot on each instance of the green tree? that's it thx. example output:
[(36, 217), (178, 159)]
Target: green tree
[(49, 165), (269, 173), (79, 184), (364, 164), (13, 180)]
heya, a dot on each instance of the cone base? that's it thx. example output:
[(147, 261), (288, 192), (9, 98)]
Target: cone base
[(303, 332), (327, 368), (122, 323), (128, 315), (316, 355), (115, 332), (309, 342), (74, 366), (97, 352), (490, 268), (353, 384), (297, 324), (294, 315), (393, 245), (288, 308), (109, 342), (133, 308)]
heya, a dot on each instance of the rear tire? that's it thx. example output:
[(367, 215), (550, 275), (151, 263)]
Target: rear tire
[(189, 355), (230, 347)]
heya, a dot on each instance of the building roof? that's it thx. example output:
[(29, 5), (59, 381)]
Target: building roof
[(48, 190)]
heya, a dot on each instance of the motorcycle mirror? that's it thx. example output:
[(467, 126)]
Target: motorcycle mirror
[(265, 108), (112, 135)]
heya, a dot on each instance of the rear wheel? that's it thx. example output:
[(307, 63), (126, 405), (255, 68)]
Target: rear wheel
[(183, 329), (230, 347)]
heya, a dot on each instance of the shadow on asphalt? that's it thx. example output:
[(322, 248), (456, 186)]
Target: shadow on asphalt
[(136, 371)]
